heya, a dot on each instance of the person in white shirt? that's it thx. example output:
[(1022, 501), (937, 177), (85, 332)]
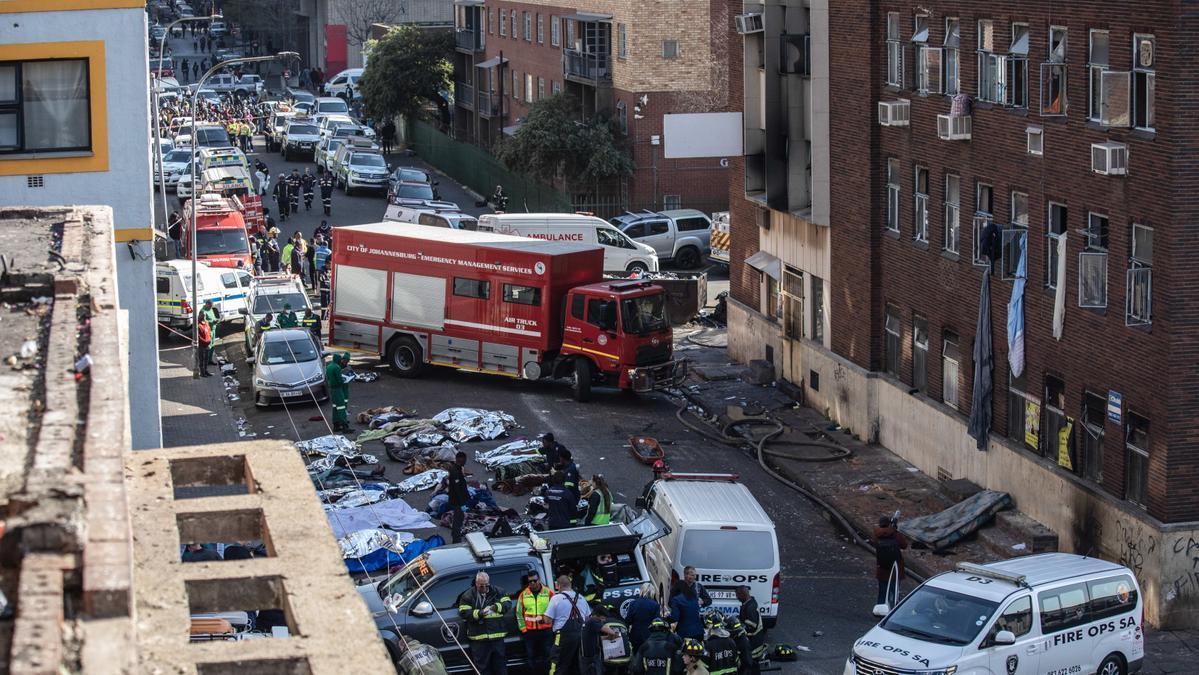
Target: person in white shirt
[(569, 611)]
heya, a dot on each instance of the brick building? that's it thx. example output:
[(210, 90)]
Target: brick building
[(1044, 129), (634, 62)]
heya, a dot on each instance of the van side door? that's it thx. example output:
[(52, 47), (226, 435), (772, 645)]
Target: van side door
[(1063, 616), (442, 628), (1021, 657)]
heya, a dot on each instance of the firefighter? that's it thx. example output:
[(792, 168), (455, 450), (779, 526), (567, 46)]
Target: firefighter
[(693, 657), (531, 606), (326, 292), (312, 322), (326, 182), (293, 190), (266, 323), (482, 608), (751, 620), (308, 182), (339, 391), (282, 197), (722, 650), (737, 631), (659, 654)]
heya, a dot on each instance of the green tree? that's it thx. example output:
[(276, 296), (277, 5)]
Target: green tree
[(408, 69), (556, 146)]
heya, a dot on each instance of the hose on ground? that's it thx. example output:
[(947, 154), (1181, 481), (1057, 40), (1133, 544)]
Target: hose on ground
[(761, 453)]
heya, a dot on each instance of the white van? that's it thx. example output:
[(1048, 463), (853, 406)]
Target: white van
[(1048, 613), (226, 287), (714, 524), (621, 254), (431, 216)]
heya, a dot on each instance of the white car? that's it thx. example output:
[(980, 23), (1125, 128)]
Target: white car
[(218, 28), (300, 138), (174, 163), (326, 151), (183, 185)]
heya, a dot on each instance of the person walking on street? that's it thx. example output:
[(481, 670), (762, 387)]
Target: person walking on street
[(308, 183), (568, 611), (535, 628), (888, 559), (389, 136), (483, 609), (659, 654), (591, 648), (339, 391), (599, 502), (640, 614), (458, 495), (326, 183), (684, 612), (282, 197), (204, 334), (293, 190), (214, 323)]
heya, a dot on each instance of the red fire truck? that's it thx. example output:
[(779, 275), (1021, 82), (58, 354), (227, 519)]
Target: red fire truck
[(494, 303), (221, 229)]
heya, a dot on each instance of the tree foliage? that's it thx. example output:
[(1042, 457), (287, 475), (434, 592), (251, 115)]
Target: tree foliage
[(408, 69), (555, 145)]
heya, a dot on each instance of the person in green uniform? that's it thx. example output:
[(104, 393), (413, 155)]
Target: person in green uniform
[(339, 391), (287, 318), (210, 315)]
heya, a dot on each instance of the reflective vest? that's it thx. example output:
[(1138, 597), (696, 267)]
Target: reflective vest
[(309, 323), (530, 610), (602, 516)]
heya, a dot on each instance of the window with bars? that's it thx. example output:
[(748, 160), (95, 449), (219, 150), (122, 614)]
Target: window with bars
[(1139, 288), (893, 189), (892, 332), (920, 210), (894, 51), (919, 353), (793, 296), (951, 59), (951, 366), (1136, 447), (1055, 237), (953, 213)]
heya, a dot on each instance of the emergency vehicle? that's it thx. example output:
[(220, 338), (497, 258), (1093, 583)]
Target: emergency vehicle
[(221, 237), (225, 287), (494, 303), (719, 238), (212, 158), (1049, 613)]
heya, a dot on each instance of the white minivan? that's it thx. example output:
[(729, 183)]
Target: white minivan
[(714, 524), (1049, 613), (621, 254)]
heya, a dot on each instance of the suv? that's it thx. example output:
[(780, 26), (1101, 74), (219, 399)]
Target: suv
[(227, 83), (408, 174), (275, 127), (421, 599), (270, 293), (359, 165), (300, 138), (681, 235)]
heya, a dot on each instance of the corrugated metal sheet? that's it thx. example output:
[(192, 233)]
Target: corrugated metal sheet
[(718, 502)]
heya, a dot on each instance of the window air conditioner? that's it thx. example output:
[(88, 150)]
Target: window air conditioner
[(749, 23), (954, 127), (894, 113), (1109, 159)]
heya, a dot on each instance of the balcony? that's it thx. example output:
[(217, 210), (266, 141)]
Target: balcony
[(490, 104), (464, 95), (586, 67), (468, 40)]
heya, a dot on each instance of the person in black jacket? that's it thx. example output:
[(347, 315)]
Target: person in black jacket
[(550, 450), (282, 197), (659, 654), (308, 183), (563, 506), (459, 496), (570, 470), (485, 610)]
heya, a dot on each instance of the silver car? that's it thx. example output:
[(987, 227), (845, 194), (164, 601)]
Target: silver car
[(289, 367)]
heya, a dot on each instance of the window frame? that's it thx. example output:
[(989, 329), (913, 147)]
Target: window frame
[(555, 31), (792, 290), (666, 53), (1054, 239), (1017, 393), (622, 41), (503, 23), (528, 25), (1131, 448), (482, 286), (1015, 94), (894, 50), (1149, 73), (951, 339), (528, 98), (894, 193), (919, 353), (1051, 627), (817, 332), (540, 28), (982, 218), (1138, 293), (952, 231), (1093, 68), (508, 296), (1093, 404), (952, 52), (16, 108), (920, 204), (892, 341), (1015, 237)]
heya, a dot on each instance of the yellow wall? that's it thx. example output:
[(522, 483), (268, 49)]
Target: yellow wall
[(93, 50), (13, 6)]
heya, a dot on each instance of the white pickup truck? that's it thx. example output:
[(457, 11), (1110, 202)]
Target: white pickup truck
[(679, 235)]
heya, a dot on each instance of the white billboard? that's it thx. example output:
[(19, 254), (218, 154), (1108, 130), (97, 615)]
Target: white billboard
[(702, 135)]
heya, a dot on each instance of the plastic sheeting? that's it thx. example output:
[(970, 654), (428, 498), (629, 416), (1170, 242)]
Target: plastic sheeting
[(941, 530), (519, 451), (385, 556), (426, 480), (363, 542), (393, 514), (333, 444), (471, 424)]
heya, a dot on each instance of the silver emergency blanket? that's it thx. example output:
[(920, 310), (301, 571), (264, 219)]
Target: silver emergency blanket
[(349, 459), (425, 439), (399, 427), (331, 495), (393, 514), (333, 444), (516, 452), (470, 424), (355, 498), (425, 480), (364, 542)]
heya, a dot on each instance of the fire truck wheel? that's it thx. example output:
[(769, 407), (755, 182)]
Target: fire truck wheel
[(580, 379), (405, 357)]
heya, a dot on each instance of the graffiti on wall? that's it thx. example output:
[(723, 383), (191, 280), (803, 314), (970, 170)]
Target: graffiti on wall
[(1184, 585)]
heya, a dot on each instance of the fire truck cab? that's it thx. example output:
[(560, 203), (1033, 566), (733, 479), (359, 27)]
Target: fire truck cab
[(221, 238)]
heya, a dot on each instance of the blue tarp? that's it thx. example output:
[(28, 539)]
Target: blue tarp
[(382, 558)]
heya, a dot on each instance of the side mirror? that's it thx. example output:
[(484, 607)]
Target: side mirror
[(1004, 637), (422, 609)]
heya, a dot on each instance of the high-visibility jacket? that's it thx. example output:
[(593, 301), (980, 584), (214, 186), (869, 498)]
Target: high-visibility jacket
[(471, 606), (530, 609)]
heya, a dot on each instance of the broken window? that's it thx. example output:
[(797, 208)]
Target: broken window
[(1092, 280), (1136, 445), (892, 332), (1055, 422), (1015, 236), (1098, 60), (892, 195), (1143, 80), (919, 353), (920, 212), (1023, 413), (1139, 291), (1094, 411), (817, 308), (894, 51), (1016, 92), (1053, 75), (953, 211), (950, 369), (992, 68), (1055, 232), (951, 58), (984, 201), (793, 296)]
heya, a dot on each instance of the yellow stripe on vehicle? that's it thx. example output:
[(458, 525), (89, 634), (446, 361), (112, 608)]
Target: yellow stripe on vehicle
[(614, 357)]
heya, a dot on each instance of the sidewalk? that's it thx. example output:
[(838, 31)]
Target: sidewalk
[(195, 411), (873, 481)]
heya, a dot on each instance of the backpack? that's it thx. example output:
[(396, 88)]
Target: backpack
[(886, 551)]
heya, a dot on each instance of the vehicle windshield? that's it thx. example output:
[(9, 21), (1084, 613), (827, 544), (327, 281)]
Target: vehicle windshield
[(221, 242), (302, 129), (415, 192), (295, 350), (370, 160), (646, 314), (939, 615), (212, 136), (275, 302), (412, 175), (728, 549), (333, 145), (338, 106), (185, 130), (404, 583), (178, 156)]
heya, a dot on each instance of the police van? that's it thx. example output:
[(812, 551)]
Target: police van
[(714, 524), (226, 288), (1053, 613)]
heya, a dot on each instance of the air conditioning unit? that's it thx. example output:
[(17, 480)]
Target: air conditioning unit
[(895, 113), (954, 127), (1109, 159), (749, 23)]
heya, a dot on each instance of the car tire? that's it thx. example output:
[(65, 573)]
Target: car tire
[(405, 357), (1112, 665), (637, 267), (580, 380), (688, 257)]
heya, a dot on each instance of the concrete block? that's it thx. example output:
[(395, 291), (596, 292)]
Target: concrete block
[(1039, 538), (760, 372), (960, 489)]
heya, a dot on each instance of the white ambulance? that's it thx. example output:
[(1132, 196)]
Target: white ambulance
[(226, 287), (1054, 613)]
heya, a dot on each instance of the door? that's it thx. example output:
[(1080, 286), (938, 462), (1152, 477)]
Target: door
[(1023, 657), (657, 235), (618, 252), (443, 628)]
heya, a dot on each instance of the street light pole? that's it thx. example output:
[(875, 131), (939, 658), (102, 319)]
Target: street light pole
[(196, 186), (157, 122)]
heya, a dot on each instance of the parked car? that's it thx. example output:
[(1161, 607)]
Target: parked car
[(680, 235), (174, 163), (218, 29), (300, 138), (228, 83), (358, 165), (299, 95), (408, 174), (271, 293), (288, 367), (276, 126), (326, 151)]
